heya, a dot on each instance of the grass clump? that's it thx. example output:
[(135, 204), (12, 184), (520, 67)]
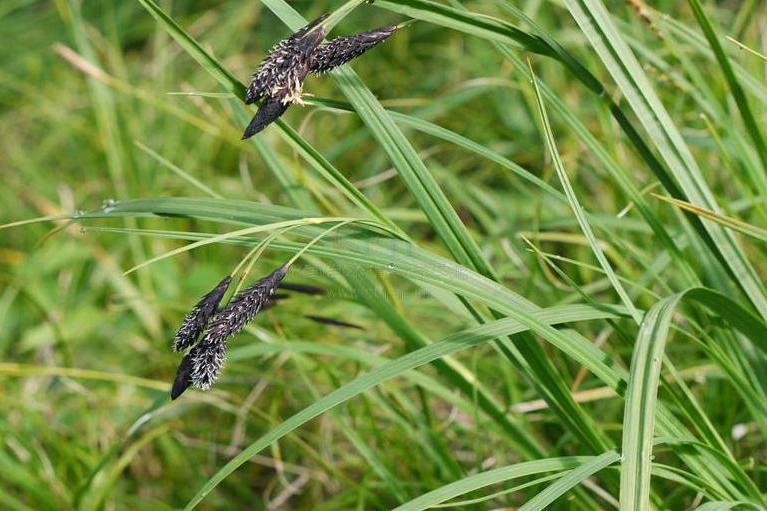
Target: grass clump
[(542, 287)]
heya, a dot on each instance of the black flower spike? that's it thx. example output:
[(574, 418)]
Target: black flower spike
[(267, 113), (183, 377), (208, 356), (198, 317), (340, 50), (279, 79), (286, 63)]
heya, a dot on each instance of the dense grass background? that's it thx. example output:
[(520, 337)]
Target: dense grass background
[(536, 207)]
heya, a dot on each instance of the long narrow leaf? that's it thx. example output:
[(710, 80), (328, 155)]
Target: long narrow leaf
[(641, 397)]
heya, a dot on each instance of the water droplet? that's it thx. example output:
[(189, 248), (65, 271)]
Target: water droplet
[(108, 205), (390, 266), (78, 213)]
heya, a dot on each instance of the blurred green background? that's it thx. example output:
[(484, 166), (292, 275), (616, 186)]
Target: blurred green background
[(95, 108)]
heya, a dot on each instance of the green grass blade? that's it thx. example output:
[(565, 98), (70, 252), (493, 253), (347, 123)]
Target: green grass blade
[(447, 135), (567, 482), (478, 25), (641, 398), (490, 477), (193, 48), (724, 505), (752, 126), (578, 211), (179, 171)]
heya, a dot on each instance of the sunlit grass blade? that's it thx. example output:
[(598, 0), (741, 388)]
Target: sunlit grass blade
[(240, 232)]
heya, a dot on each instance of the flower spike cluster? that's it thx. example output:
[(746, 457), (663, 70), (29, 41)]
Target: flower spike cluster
[(279, 79), (202, 365)]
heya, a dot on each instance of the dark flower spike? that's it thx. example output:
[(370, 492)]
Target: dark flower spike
[(267, 113), (183, 377), (279, 79), (208, 356), (286, 65), (198, 317), (340, 50)]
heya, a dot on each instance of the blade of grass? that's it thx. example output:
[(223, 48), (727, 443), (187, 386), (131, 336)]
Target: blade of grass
[(179, 172), (573, 478), (752, 126), (490, 477), (578, 209), (724, 220), (725, 505), (641, 397)]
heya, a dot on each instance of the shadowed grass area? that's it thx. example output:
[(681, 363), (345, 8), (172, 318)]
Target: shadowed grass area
[(537, 282)]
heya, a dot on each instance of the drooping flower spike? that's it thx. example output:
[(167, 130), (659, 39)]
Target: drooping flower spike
[(208, 356), (202, 365), (279, 79)]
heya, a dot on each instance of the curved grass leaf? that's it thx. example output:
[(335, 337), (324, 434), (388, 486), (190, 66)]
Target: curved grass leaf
[(641, 398), (724, 505), (490, 477), (724, 220), (570, 480)]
